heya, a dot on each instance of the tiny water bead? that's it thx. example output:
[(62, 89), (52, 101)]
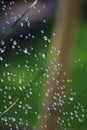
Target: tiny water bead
[(1, 58), (45, 38)]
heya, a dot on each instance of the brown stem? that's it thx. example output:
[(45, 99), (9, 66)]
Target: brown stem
[(66, 20), (9, 108)]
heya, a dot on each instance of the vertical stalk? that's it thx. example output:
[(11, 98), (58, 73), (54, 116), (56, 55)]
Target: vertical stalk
[(66, 19)]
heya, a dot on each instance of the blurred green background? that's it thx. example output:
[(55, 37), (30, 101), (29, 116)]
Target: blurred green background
[(22, 64)]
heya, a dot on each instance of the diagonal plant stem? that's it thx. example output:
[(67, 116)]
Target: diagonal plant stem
[(10, 29), (21, 96), (9, 108)]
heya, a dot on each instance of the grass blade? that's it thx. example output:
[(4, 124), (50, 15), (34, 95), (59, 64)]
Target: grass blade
[(10, 29)]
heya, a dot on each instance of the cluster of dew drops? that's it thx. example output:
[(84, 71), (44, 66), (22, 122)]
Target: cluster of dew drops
[(13, 76)]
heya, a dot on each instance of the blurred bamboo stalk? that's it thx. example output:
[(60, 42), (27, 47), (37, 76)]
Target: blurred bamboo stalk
[(66, 20)]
